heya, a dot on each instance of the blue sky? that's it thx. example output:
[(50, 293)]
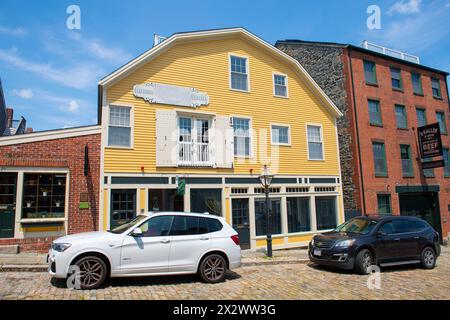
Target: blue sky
[(50, 73)]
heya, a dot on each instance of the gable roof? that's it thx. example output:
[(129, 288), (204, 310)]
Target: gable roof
[(185, 37)]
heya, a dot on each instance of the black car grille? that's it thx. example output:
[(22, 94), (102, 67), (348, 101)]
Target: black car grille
[(323, 244)]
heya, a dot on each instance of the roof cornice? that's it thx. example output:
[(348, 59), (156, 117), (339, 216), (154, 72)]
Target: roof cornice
[(49, 135)]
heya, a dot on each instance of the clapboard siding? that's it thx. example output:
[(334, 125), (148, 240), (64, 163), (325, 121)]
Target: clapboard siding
[(205, 66)]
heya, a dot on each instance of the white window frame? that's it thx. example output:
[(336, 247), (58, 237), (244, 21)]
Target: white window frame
[(321, 136), (285, 83), (289, 134), (194, 117), (250, 128), (122, 105), (247, 66)]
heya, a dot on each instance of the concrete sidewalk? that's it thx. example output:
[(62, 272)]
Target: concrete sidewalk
[(28, 262)]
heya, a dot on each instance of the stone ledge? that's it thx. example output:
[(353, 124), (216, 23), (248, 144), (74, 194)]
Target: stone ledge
[(23, 268), (9, 249)]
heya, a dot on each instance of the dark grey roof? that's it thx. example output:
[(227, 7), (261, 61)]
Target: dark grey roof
[(356, 48)]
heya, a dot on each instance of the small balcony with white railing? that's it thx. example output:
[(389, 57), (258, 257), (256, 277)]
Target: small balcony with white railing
[(390, 52), (194, 154)]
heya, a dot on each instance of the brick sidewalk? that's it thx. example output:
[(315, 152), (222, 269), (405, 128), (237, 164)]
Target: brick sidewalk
[(280, 281)]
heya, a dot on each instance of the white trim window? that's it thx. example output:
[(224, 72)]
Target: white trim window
[(241, 133), (239, 73), (119, 127), (281, 134), (315, 142), (280, 85)]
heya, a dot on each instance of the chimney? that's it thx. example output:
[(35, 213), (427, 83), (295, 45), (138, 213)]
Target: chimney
[(29, 130), (9, 117)]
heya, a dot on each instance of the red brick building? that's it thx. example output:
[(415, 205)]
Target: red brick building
[(49, 186), (384, 100)]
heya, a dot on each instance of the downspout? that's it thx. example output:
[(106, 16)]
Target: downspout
[(99, 104), (357, 134), (446, 87)]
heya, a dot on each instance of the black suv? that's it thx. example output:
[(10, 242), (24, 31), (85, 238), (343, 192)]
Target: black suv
[(384, 240)]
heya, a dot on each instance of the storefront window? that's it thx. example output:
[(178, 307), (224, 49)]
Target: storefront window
[(260, 216), (44, 195), (207, 200), (298, 214), (123, 205), (326, 214)]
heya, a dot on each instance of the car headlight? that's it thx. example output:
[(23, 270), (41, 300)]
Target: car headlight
[(344, 243), (312, 241), (60, 247)]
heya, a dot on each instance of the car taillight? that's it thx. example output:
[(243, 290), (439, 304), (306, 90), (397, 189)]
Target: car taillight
[(235, 238)]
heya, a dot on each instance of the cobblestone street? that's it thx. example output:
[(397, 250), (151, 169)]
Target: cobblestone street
[(281, 281)]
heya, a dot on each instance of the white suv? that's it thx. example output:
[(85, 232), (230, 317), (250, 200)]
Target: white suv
[(151, 244)]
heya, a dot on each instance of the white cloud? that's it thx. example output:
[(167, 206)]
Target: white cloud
[(73, 106), (80, 76), (23, 93), (57, 121), (405, 7), (98, 50), (65, 104), (402, 33), (16, 32)]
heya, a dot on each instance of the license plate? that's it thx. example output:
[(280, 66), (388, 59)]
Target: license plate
[(317, 252)]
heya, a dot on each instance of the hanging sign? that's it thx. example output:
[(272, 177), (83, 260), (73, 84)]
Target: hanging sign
[(430, 143), (169, 94), (433, 164)]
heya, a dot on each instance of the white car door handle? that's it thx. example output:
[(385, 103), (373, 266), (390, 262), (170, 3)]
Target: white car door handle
[(204, 238), (165, 240)]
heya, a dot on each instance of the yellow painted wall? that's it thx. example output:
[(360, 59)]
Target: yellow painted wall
[(142, 200), (275, 241), (303, 238), (205, 66), (105, 209)]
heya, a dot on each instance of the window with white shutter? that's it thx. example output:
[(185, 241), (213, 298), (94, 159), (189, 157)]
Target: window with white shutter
[(166, 138)]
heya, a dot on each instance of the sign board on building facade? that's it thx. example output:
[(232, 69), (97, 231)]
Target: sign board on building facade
[(430, 145), (169, 94)]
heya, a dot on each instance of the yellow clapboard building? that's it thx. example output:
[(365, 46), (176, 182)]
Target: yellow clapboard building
[(189, 125)]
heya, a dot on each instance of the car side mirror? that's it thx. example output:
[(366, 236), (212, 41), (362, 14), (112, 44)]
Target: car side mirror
[(137, 232)]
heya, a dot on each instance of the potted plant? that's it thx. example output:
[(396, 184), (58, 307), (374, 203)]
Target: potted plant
[(58, 203), (29, 203), (44, 192)]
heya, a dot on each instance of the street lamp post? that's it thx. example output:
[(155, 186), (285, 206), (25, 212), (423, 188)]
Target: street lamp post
[(266, 180)]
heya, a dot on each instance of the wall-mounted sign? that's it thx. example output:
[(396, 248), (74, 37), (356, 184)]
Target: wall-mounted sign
[(430, 143), (433, 164), (170, 94)]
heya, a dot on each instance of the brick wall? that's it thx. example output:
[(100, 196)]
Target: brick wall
[(330, 67), (393, 137), (61, 153)]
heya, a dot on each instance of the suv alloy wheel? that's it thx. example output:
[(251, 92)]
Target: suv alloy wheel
[(428, 258), (363, 261), (213, 268), (93, 272)]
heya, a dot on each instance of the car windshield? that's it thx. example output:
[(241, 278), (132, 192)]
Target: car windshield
[(124, 227), (358, 225)]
